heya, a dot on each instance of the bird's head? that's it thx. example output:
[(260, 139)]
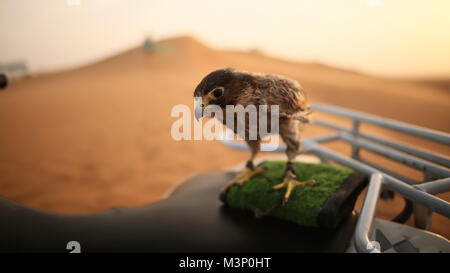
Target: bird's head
[(217, 88)]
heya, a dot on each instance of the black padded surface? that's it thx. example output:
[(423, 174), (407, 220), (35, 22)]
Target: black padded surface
[(191, 220)]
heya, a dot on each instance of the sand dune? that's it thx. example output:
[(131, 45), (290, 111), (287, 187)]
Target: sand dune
[(99, 136)]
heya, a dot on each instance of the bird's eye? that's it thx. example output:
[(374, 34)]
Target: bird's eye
[(217, 92)]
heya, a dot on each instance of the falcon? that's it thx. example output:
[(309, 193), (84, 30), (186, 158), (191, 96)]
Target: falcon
[(234, 87)]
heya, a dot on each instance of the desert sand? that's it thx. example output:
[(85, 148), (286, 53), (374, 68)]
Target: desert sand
[(96, 137)]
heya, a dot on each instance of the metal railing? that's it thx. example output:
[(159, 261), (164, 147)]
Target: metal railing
[(435, 168)]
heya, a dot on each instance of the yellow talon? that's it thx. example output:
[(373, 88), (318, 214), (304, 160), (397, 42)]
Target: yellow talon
[(290, 183), (240, 179)]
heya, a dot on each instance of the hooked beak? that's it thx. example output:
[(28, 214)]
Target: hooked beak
[(198, 109), (198, 112)]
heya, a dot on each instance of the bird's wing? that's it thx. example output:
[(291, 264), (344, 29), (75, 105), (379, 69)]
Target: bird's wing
[(286, 93), (277, 90)]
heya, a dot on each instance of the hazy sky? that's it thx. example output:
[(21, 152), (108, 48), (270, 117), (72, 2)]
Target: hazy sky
[(384, 37)]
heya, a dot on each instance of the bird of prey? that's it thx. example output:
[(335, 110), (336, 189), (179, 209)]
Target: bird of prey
[(234, 87)]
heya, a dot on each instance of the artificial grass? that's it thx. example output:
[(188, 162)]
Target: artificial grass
[(305, 203)]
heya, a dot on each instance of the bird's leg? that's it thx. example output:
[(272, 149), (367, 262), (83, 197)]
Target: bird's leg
[(289, 182), (242, 177), (247, 173), (290, 133)]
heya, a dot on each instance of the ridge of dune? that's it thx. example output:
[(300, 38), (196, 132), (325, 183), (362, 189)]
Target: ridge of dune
[(185, 44), (173, 53)]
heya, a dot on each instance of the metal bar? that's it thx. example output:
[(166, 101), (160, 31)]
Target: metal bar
[(422, 215), (438, 159), (364, 226), (280, 147), (330, 125), (433, 203), (355, 130), (322, 138), (438, 205), (389, 172), (386, 123), (401, 157), (435, 187), (441, 160)]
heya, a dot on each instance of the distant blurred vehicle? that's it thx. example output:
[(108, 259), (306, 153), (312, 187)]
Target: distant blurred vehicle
[(16, 69), (3, 81)]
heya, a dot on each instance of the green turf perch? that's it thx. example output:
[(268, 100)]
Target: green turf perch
[(325, 204)]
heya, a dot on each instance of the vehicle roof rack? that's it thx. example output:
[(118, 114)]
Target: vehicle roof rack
[(435, 167)]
